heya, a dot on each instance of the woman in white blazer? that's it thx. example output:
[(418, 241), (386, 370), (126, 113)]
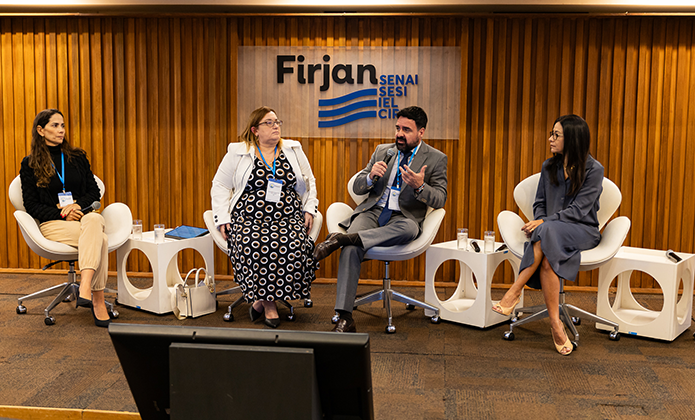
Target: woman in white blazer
[(263, 203)]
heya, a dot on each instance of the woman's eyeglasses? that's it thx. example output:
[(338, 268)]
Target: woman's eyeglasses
[(271, 123)]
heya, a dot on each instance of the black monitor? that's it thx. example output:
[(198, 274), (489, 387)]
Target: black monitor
[(217, 370)]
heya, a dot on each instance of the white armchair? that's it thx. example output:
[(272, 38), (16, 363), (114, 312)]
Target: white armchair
[(118, 220), (222, 244), (337, 212), (612, 238)]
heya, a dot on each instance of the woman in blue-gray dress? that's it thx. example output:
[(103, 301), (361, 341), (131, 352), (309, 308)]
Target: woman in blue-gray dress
[(565, 224)]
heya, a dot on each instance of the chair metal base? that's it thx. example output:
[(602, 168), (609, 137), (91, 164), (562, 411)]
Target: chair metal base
[(569, 314), (65, 292), (229, 317), (386, 294)]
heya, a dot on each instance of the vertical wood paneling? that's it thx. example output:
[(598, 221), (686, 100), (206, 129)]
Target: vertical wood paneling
[(154, 103)]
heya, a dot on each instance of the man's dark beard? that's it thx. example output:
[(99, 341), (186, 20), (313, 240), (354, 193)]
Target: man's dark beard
[(405, 147)]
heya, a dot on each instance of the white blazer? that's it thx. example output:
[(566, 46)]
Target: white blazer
[(234, 170)]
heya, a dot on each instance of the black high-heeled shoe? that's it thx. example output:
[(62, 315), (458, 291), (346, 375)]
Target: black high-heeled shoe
[(85, 303), (254, 314), (272, 322), (99, 322)]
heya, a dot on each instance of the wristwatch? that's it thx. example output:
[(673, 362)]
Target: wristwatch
[(420, 188)]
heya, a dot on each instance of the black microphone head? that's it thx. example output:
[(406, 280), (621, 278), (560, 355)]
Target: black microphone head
[(96, 205), (389, 155)]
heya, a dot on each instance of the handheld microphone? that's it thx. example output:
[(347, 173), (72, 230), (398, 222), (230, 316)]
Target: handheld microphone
[(389, 155), (94, 206)]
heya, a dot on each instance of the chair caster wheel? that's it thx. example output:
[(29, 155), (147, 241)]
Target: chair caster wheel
[(113, 314), (308, 303), (68, 299), (21, 309), (435, 319), (49, 320), (335, 318), (228, 317), (574, 345), (576, 320), (509, 336), (390, 329), (291, 317), (614, 335), (409, 306)]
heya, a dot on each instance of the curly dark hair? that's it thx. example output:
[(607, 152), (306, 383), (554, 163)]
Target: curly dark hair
[(40, 158)]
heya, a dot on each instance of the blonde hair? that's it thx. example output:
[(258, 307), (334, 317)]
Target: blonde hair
[(255, 119)]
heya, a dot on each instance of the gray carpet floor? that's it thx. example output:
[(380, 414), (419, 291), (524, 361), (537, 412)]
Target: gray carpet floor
[(424, 371)]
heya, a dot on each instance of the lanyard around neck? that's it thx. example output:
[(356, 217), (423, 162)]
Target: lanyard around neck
[(266, 163), (61, 177), (398, 168)]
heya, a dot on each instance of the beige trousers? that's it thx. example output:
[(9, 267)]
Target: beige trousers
[(91, 242)]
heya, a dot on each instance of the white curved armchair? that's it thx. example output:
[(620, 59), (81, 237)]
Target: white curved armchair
[(337, 212), (612, 238), (118, 221), (222, 245)]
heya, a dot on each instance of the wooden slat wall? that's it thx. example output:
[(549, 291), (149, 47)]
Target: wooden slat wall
[(153, 101)]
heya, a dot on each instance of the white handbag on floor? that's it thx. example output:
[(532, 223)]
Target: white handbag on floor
[(197, 299)]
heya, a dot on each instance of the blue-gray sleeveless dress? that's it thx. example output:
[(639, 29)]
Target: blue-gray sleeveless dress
[(570, 224)]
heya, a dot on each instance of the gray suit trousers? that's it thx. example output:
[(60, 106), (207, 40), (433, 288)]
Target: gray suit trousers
[(399, 230)]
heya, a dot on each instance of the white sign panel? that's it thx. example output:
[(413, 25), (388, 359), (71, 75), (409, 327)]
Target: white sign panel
[(351, 92)]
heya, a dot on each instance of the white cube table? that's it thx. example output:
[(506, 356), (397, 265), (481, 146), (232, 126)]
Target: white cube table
[(163, 258), (633, 318), (469, 304)]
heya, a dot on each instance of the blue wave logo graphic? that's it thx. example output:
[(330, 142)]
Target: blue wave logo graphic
[(347, 109)]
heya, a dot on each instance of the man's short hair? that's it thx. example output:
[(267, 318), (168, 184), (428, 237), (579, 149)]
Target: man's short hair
[(416, 114)]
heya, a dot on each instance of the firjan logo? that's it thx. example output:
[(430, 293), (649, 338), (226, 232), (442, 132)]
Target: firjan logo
[(380, 100)]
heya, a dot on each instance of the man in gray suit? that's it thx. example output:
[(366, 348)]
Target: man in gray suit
[(402, 181)]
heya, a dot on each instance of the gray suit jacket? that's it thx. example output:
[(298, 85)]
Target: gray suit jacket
[(415, 208)]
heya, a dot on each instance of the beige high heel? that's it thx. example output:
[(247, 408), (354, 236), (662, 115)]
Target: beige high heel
[(506, 311), (566, 345)]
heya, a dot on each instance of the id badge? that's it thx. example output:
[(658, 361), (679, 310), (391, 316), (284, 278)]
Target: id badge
[(393, 199), (65, 199), (273, 193)]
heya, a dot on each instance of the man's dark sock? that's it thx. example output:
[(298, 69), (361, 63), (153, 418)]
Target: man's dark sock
[(344, 314), (349, 239)]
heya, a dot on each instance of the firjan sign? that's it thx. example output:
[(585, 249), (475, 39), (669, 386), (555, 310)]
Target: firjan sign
[(351, 92)]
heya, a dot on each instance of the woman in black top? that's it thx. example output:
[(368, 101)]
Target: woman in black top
[(57, 182)]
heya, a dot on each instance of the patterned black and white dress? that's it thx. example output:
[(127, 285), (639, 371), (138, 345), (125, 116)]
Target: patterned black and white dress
[(272, 254)]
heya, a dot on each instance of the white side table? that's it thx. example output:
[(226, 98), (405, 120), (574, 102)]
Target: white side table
[(633, 318), (163, 258), (467, 305)]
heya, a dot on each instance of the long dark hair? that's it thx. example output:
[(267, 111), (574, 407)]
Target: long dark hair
[(575, 150), (40, 159)]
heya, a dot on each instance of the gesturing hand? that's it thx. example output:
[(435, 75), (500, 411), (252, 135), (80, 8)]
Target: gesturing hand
[(414, 179)]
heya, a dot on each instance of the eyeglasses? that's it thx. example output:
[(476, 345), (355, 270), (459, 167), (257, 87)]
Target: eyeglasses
[(271, 123), (555, 135)]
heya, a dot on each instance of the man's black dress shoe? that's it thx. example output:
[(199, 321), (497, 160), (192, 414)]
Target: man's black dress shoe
[(344, 326), (272, 322), (326, 247), (254, 314), (85, 303)]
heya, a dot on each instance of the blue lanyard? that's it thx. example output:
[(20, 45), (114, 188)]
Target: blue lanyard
[(398, 168), (61, 177), (266, 163)]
